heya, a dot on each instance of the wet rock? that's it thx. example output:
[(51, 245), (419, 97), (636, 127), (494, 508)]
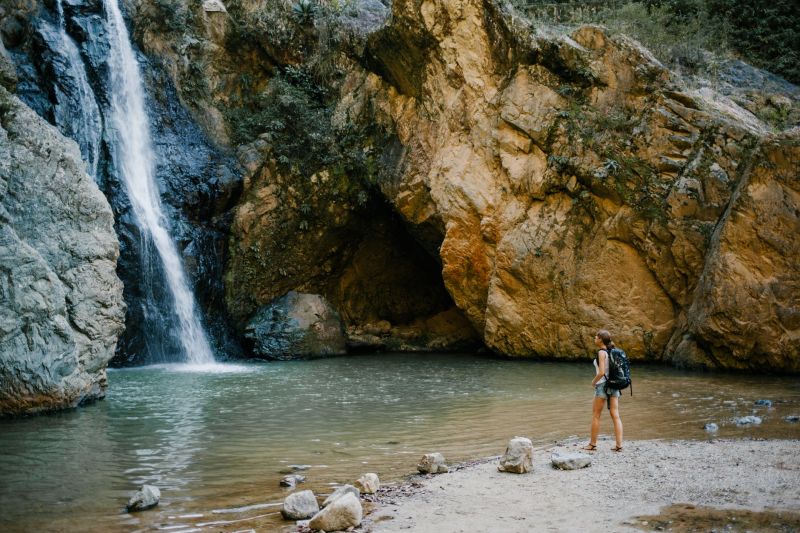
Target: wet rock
[(711, 427), (296, 325), (518, 458), (764, 403), (432, 463), (291, 481), (145, 498), (341, 491), (342, 513), (792, 418), (570, 460), (368, 483), (300, 505), (747, 420), (61, 307)]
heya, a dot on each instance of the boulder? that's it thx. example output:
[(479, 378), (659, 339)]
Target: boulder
[(570, 460), (145, 498), (342, 513), (296, 325), (432, 463), (747, 420), (341, 491), (61, 305), (292, 480), (368, 484), (300, 505), (518, 458)]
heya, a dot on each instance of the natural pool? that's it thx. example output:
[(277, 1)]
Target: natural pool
[(215, 442)]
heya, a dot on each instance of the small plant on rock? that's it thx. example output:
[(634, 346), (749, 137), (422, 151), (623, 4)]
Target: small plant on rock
[(304, 11)]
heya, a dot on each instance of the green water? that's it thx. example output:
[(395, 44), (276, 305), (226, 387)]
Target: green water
[(214, 443)]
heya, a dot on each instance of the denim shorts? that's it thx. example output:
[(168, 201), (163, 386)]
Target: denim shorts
[(600, 392)]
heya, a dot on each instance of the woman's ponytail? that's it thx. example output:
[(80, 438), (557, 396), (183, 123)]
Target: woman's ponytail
[(605, 336)]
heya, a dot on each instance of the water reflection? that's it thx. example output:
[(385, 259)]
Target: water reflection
[(215, 442)]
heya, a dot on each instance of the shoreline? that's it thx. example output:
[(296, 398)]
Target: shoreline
[(625, 491)]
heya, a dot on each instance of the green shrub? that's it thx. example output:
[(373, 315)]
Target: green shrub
[(681, 32)]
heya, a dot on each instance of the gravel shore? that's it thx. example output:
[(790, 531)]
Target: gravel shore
[(613, 494)]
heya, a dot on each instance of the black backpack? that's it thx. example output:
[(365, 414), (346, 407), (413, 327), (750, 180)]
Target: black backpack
[(619, 371)]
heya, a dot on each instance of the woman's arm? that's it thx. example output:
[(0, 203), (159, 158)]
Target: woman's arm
[(601, 366)]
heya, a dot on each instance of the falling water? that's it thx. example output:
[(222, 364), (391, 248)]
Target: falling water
[(133, 155), (87, 128)]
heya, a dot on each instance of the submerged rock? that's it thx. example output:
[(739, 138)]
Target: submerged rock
[(792, 418), (368, 483), (145, 498), (432, 463), (300, 505), (570, 460), (518, 458), (61, 307), (291, 469), (342, 513), (296, 325), (341, 491), (711, 427), (764, 403)]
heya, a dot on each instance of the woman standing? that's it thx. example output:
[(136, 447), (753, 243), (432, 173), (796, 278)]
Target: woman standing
[(603, 341)]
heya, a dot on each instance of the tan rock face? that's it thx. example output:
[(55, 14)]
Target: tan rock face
[(580, 187)]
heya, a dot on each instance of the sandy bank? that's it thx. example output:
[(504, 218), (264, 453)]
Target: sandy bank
[(607, 496)]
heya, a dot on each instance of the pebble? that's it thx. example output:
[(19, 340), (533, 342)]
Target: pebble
[(765, 403), (711, 427)]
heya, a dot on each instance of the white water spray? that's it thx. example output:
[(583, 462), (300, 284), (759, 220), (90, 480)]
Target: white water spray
[(133, 155), (87, 129)]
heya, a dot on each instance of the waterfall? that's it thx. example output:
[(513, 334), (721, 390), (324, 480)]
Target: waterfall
[(129, 131), (78, 100)]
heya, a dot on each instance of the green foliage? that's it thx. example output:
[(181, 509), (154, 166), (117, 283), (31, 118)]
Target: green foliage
[(295, 115), (766, 33), (304, 11), (679, 32)]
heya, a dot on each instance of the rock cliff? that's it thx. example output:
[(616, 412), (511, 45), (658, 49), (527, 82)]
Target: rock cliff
[(61, 308), (450, 173), (546, 184), (580, 185)]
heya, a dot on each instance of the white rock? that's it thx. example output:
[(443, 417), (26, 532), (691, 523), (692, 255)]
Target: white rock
[(340, 514), (518, 458), (711, 427), (214, 6), (747, 420), (300, 505), (292, 480), (145, 498), (368, 483), (570, 460), (341, 491), (432, 463)]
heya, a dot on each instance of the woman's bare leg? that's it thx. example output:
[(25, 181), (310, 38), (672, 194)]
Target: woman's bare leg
[(617, 421), (597, 409)]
